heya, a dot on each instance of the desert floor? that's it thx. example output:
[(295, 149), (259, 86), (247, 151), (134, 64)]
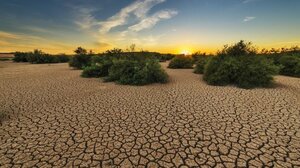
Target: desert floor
[(59, 119)]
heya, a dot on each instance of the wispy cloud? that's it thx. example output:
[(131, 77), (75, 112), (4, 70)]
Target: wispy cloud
[(139, 9), (17, 36), (150, 21), (249, 18), (85, 18), (35, 29), (9, 41), (131, 19)]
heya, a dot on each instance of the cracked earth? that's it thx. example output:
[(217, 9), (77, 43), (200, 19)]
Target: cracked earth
[(58, 119)]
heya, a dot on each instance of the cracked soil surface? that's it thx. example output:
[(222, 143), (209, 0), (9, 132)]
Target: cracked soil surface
[(58, 119)]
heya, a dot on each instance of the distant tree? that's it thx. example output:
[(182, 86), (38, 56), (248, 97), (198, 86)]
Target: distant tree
[(114, 51), (132, 47), (80, 51), (91, 52), (81, 60)]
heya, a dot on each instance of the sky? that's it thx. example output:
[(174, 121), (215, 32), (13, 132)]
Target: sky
[(167, 26)]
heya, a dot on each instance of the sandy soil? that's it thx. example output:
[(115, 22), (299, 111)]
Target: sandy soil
[(59, 119), (4, 55)]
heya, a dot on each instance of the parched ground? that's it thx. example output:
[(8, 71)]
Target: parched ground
[(58, 119)]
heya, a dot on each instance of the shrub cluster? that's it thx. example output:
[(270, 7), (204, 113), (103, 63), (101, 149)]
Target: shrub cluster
[(93, 71), (243, 68), (287, 58), (99, 67), (128, 69), (289, 65), (201, 63), (39, 57), (80, 61), (181, 62), (134, 72), (21, 57)]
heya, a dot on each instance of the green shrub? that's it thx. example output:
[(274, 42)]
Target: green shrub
[(98, 59), (164, 57), (241, 48), (245, 72), (93, 71), (151, 72), (198, 56), (289, 65), (200, 64), (243, 68), (99, 68), (221, 70), (255, 72), (297, 70), (181, 62), (62, 58), (20, 57), (80, 61), (38, 57), (136, 72)]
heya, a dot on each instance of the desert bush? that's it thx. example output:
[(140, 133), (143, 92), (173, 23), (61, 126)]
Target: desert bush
[(200, 64), (20, 57), (81, 59), (297, 70), (255, 72), (245, 71), (198, 56), (62, 58), (221, 70), (38, 57), (164, 57), (136, 72), (181, 62), (241, 48), (289, 65), (99, 68), (93, 71)]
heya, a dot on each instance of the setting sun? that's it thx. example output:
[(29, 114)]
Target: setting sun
[(185, 52)]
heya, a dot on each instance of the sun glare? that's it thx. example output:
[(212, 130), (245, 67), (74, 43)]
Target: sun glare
[(185, 52)]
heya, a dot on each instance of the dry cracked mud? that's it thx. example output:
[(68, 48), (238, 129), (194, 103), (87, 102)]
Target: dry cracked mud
[(58, 119)]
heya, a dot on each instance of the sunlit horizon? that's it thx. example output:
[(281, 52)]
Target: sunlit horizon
[(161, 26)]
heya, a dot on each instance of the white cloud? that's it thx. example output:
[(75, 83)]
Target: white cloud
[(133, 18), (139, 9), (249, 18), (150, 21), (85, 18)]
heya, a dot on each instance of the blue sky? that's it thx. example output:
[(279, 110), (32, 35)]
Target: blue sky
[(57, 26)]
